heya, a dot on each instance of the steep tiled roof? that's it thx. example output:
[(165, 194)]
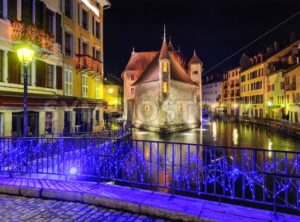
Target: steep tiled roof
[(195, 59), (164, 52), (140, 60), (170, 46), (151, 73)]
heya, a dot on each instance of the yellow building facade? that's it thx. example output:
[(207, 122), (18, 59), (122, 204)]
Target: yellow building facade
[(65, 88), (113, 95), (231, 92), (254, 80)]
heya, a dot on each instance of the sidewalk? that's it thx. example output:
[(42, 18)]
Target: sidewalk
[(137, 201)]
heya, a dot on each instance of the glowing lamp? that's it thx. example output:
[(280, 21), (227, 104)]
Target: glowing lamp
[(235, 105), (270, 104), (110, 90), (73, 170), (25, 54)]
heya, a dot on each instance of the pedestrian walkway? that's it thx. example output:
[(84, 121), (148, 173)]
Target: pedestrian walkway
[(15, 208), (155, 204)]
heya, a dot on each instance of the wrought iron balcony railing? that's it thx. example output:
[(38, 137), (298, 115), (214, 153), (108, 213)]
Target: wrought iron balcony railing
[(30, 33), (87, 64)]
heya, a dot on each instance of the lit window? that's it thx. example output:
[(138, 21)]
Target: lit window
[(165, 87), (165, 66), (84, 85), (68, 83)]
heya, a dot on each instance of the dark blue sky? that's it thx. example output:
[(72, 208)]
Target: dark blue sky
[(215, 28)]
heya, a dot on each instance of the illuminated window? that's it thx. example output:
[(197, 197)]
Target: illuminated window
[(165, 87), (165, 66)]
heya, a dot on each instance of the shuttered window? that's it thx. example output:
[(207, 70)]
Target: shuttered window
[(1, 8), (59, 77), (39, 11), (27, 11), (84, 85), (49, 76), (1, 65), (58, 29), (68, 83), (48, 23), (40, 73), (14, 68), (12, 10)]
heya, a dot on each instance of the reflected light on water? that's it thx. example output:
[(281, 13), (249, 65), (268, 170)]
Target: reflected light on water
[(214, 130), (270, 147), (235, 137)]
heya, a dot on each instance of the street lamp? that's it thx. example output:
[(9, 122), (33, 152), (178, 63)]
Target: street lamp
[(25, 55)]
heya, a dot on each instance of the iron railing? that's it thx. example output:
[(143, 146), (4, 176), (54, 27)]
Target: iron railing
[(266, 177)]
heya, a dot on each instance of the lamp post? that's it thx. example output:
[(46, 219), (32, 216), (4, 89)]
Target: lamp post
[(25, 56)]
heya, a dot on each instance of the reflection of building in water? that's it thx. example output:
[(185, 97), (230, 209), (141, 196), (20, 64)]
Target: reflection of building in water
[(161, 92)]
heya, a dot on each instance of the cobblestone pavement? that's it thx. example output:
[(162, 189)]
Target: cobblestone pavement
[(15, 208)]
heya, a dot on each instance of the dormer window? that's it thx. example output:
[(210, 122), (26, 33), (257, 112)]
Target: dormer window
[(195, 72)]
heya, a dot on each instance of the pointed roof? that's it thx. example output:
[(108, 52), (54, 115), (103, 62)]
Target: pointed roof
[(164, 52), (177, 72), (170, 46), (195, 59)]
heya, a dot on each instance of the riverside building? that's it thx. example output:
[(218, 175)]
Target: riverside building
[(65, 78)]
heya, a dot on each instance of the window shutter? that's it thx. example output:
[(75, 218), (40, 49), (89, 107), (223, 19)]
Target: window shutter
[(14, 68), (39, 13), (40, 73), (27, 11), (58, 29), (12, 10), (59, 79), (1, 9)]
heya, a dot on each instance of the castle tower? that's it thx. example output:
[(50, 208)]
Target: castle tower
[(164, 68), (195, 68)]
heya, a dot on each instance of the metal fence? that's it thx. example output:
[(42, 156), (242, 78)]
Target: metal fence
[(240, 174)]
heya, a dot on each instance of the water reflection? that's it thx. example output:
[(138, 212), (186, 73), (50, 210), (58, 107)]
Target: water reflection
[(219, 132)]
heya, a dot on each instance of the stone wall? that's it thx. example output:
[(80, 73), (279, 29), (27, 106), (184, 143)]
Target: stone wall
[(179, 111)]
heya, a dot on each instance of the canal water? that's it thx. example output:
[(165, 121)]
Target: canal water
[(227, 133)]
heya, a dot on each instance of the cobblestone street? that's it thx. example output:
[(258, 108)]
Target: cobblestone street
[(15, 208)]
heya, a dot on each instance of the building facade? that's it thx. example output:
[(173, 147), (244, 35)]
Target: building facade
[(161, 92), (65, 92), (113, 95), (254, 79), (231, 92), (212, 93)]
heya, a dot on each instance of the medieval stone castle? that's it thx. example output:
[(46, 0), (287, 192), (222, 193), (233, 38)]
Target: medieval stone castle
[(161, 91)]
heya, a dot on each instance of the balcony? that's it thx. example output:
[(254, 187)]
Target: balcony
[(87, 64), (291, 86), (33, 35)]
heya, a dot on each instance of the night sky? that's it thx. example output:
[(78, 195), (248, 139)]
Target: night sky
[(215, 28)]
